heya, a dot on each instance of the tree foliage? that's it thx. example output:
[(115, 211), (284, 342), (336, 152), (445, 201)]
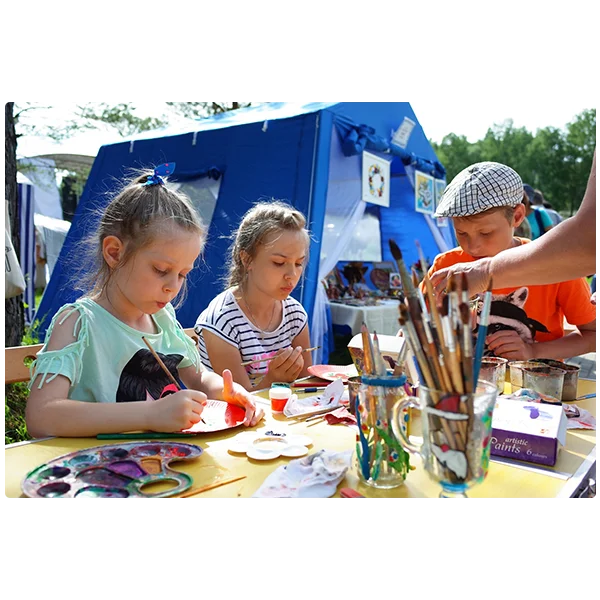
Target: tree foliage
[(556, 161)]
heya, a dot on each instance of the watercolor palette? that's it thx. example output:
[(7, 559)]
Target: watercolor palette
[(218, 416), (112, 471)]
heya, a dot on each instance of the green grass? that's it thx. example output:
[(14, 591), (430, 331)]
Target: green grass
[(15, 394)]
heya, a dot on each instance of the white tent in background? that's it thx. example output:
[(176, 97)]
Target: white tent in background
[(41, 174)]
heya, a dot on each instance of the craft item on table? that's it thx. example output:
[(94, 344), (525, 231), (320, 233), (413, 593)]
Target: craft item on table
[(314, 476), (569, 390), (279, 394), (381, 460), (350, 493), (341, 415), (113, 471), (332, 372), (577, 417), (267, 444), (528, 431), (390, 347), (329, 398), (218, 416)]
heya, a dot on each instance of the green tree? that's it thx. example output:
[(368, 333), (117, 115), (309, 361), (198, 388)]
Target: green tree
[(556, 161)]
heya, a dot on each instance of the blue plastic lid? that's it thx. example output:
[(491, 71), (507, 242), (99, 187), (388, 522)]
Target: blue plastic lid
[(385, 381)]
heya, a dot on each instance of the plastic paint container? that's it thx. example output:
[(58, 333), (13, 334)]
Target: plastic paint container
[(279, 394)]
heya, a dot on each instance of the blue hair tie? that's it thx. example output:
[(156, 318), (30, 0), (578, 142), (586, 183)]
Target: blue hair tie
[(160, 172)]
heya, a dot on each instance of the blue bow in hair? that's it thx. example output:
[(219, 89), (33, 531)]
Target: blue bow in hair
[(164, 170)]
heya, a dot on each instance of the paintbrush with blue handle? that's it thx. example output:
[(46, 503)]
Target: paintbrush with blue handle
[(482, 333)]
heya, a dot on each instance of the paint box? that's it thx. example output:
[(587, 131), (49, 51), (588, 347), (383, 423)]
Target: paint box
[(528, 431)]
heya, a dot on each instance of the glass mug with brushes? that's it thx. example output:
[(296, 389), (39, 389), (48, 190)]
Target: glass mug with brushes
[(456, 432)]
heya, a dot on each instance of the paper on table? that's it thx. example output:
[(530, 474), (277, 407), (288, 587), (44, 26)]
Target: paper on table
[(314, 476), (330, 397)]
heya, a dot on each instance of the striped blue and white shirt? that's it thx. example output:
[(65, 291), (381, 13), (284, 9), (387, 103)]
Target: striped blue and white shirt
[(224, 318)]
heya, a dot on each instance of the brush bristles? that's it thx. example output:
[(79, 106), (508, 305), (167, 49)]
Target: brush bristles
[(452, 283), (445, 306), (396, 252), (464, 284), (465, 313)]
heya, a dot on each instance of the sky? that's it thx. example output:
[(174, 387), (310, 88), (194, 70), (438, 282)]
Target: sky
[(437, 119)]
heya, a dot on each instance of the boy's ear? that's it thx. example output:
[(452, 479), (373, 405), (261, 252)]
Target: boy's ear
[(518, 215), (112, 250)]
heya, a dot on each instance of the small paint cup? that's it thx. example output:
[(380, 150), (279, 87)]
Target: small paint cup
[(493, 369), (516, 371), (279, 394), (569, 391), (545, 380)]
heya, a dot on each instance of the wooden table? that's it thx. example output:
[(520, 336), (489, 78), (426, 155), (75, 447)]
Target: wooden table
[(513, 480)]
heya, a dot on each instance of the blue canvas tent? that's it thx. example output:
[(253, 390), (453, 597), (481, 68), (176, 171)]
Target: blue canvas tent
[(308, 155)]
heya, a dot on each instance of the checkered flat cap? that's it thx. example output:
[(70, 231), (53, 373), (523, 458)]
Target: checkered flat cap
[(480, 187)]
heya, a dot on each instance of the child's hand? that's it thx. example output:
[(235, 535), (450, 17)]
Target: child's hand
[(236, 394), (286, 365), (177, 411), (508, 344)]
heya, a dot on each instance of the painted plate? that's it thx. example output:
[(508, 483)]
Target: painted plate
[(218, 416), (333, 372), (380, 279)]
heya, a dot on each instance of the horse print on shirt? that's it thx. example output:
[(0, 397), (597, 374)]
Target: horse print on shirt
[(142, 377), (507, 312)]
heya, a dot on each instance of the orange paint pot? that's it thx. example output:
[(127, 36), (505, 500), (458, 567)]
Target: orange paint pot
[(279, 396)]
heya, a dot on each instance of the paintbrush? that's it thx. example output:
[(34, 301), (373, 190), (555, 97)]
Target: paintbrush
[(450, 337), (165, 369), (467, 347), (367, 350), (411, 336), (210, 486), (482, 333), (380, 368), (261, 360)]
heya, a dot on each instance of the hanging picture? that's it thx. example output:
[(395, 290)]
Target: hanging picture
[(375, 179), (424, 193), (442, 221), (440, 186), (402, 134)]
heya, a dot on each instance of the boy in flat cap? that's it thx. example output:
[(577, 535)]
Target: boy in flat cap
[(485, 203)]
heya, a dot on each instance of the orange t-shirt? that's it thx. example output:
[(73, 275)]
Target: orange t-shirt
[(536, 312)]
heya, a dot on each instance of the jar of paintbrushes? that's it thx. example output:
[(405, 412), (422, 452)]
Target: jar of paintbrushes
[(381, 460)]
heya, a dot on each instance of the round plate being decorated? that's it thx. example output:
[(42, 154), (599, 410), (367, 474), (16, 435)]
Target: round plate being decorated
[(218, 416), (333, 372)]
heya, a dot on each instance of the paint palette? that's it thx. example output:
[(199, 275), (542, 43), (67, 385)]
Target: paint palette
[(267, 445), (113, 471), (218, 416)]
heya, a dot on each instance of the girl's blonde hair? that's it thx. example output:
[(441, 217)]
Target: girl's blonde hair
[(263, 219), (136, 216)]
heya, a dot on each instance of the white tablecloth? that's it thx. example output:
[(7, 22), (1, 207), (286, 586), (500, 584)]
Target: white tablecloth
[(382, 318)]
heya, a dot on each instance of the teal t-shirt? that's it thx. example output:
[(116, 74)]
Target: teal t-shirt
[(533, 221), (109, 361)]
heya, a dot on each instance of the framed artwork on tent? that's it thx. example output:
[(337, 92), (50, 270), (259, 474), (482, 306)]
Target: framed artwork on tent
[(424, 193), (442, 221), (440, 186), (375, 179), (402, 134)]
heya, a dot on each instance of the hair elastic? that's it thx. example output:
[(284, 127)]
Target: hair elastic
[(159, 172)]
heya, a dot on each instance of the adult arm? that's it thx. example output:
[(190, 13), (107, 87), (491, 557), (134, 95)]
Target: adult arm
[(566, 252)]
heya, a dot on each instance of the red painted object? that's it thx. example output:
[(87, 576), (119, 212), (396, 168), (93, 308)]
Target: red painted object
[(350, 493)]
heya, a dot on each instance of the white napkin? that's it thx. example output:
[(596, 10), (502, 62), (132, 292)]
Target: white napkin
[(314, 476), (329, 398)]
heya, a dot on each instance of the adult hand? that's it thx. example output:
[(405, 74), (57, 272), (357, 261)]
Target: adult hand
[(508, 344), (477, 272), (177, 411), (236, 394), (286, 365)]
